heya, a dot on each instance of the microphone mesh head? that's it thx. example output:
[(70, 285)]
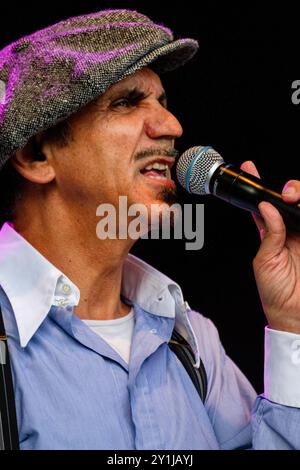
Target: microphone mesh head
[(195, 167)]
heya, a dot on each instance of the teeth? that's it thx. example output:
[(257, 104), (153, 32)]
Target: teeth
[(157, 166), (157, 177)]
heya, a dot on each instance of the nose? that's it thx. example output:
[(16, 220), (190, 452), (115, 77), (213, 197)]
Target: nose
[(161, 123)]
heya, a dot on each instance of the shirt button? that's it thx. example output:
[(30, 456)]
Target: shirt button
[(61, 302), (154, 331), (66, 288)]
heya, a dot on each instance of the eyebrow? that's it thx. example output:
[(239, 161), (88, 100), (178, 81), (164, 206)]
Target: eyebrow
[(136, 94)]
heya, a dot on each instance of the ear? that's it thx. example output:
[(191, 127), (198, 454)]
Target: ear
[(32, 164)]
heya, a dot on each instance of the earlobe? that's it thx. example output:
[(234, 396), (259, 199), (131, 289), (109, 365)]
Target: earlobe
[(33, 164)]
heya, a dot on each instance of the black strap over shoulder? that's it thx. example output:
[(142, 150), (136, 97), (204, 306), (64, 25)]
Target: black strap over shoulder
[(184, 352), (9, 438)]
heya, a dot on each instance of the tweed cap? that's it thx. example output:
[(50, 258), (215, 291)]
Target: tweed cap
[(50, 74)]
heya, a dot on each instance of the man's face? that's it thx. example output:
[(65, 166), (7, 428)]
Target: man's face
[(113, 141)]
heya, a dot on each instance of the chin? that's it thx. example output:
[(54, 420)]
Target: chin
[(168, 195), (163, 208)]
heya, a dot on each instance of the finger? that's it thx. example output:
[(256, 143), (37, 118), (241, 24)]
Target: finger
[(250, 168), (275, 233), (291, 191)]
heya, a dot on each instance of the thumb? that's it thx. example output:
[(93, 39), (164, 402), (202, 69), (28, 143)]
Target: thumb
[(274, 236)]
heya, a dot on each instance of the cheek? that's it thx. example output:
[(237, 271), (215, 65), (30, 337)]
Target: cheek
[(75, 173), (126, 132), (104, 164)]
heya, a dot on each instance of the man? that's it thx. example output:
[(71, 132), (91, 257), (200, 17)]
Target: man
[(83, 119)]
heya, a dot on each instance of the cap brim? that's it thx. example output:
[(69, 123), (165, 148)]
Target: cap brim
[(168, 57)]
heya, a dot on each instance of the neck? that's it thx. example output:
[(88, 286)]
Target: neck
[(70, 244)]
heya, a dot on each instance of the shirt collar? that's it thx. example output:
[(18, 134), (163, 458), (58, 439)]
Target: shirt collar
[(32, 285)]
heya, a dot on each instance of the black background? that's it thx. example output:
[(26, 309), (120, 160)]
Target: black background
[(236, 96)]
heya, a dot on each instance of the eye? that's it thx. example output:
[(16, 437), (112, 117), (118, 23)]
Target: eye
[(122, 102), (129, 100)]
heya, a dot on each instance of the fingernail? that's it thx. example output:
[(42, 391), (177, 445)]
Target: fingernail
[(262, 233), (288, 191), (249, 164)]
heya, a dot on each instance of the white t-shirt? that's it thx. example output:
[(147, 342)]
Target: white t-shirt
[(117, 333)]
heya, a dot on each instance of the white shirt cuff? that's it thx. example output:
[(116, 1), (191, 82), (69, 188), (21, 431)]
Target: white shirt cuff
[(282, 367)]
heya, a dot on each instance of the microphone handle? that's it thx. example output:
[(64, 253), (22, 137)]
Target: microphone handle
[(246, 191)]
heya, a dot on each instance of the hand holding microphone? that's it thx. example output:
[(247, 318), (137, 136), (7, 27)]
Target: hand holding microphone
[(202, 170)]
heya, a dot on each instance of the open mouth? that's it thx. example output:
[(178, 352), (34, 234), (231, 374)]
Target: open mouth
[(158, 169)]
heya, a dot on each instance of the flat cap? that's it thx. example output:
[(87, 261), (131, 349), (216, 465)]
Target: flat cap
[(50, 74)]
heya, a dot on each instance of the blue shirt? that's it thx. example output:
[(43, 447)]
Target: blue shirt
[(73, 391)]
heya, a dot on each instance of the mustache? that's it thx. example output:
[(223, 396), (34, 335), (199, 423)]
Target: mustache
[(170, 152)]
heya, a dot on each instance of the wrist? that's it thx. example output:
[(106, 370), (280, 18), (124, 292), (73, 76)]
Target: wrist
[(286, 324)]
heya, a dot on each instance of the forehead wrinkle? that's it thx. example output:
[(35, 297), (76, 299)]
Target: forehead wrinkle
[(139, 83), (144, 81)]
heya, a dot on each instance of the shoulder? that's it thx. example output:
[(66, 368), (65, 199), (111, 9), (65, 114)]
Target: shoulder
[(217, 363), (204, 329), (222, 373)]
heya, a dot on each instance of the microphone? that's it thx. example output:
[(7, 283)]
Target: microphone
[(202, 170)]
